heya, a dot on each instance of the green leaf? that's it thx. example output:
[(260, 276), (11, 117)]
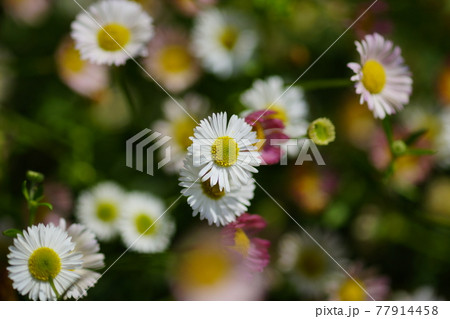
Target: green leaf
[(12, 232), (415, 136), (420, 152), (388, 129), (50, 206)]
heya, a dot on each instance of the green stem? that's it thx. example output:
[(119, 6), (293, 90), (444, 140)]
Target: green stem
[(325, 84), (122, 83), (52, 284), (387, 127)]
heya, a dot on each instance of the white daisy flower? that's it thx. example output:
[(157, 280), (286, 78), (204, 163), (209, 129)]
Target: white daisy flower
[(100, 209), (41, 255), (113, 31), (382, 78), (224, 41), (87, 245), (424, 293), (290, 106), (219, 207), (144, 227), (180, 126), (226, 152), (308, 266), (443, 139)]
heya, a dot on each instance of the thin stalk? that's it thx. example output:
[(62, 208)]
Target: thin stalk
[(325, 84), (52, 284)]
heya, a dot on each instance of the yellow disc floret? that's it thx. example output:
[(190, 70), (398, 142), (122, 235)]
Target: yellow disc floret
[(144, 224), (71, 59), (175, 59), (351, 291), (241, 242), (228, 38), (44, 264), (373, 76), (280, 113), (225, 151), (106, 212), (113, 37), (212, 192)]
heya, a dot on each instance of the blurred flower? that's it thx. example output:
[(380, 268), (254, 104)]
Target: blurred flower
[(208, 271), (43, 254), (224, 41), (60, 196), (309, 268), (436, 199), (322, 131), (87, 245), (100, 209), (239, 238), (382, 79), (356, 123), (443, 139), (152, 7), (170, 60), (144, 226), (112, 32), (267, 128), (311, 188), (374, 20), (444, 84), (219, 207), (408, 169), (224, 150), (346, 289), (180, 126), (425, 293), (290, 106), (193, 7), (81, 76), (31, 12)]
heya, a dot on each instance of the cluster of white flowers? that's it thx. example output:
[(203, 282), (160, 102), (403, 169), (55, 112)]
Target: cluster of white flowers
[(49, 260), (138, 217)]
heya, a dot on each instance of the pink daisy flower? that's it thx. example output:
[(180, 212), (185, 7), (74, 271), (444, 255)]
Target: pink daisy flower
[(267, 128), (239, 237)]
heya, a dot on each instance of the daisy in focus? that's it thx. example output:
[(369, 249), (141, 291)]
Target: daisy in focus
[(87, 79), (100, 209), (112, 32), (87, 245), (225, 151), (206, 270), (269, 132), (44, 256), (289, 106), (364, 285), (180, 126), (382, 79), (170, 60), (224, 41), (308, 267), (144, 226), (219, 207), (239, 238)]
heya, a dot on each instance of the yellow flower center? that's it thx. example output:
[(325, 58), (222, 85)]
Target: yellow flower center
[(182, 130), (212, 192), (204, 267), (257, 127), (175, 59), (241, 242), (144, 224), (350, 291), (311, 262), (44, 264), (228, 38), (280, 113), (113, 37), (106, 212), (71, 59), (225, 151), (374, 76)]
